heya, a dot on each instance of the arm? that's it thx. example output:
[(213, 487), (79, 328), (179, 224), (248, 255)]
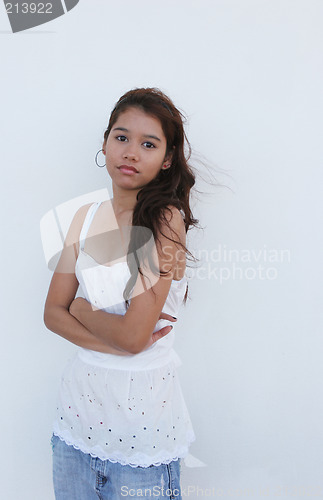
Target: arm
[(82, 310), (61, 293), (132, 332), (59, 320)]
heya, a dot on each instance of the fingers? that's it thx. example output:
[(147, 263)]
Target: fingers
[(161, 333), (164, 331), (164, 315)]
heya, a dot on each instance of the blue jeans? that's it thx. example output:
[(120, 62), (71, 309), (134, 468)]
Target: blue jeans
[(78, 476)]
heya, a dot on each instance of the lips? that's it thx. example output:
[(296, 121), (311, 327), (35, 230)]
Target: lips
[(129, 168)]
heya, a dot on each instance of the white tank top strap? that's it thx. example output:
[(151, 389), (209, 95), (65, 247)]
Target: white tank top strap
[(87, 222)]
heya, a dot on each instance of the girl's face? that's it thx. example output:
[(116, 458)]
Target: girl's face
[(136, 140)]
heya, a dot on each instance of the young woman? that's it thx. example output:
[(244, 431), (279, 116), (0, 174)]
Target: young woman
[(122, 425)]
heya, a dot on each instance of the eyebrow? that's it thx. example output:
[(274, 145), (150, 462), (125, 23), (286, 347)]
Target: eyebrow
[(144, 135)]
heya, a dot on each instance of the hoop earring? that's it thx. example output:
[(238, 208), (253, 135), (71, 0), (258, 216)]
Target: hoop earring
[(96, 159)]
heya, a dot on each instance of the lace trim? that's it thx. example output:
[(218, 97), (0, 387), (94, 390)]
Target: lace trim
[(143, 459)]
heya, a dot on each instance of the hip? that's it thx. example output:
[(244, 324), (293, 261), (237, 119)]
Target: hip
[(79, 475), (156, 356)]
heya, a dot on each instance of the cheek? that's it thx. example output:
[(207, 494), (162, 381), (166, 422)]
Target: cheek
[(112, 156), (112, 143), (109, 147)]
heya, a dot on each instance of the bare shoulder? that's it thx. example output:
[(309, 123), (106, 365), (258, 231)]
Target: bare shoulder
[(150, 292), (66, 263), (80, 214), (172, 242), (171, 212), (64, 284), (175, 226), (74, 231)]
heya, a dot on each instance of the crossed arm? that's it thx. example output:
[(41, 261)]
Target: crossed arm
[(79, 322), (86, 327)]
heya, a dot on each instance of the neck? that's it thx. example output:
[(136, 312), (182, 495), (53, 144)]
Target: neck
[(123, 201)]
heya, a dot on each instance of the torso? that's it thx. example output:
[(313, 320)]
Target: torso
[(109, 235)]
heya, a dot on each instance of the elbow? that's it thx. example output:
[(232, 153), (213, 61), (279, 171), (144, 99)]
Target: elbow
[(48, 314), (50, 317), (130, 347), (135, 349), (46, 317), (138, 343), (134, 340), (48, 322)]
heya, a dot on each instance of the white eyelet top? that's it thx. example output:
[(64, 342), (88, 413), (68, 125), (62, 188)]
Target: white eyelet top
[(126, 409)]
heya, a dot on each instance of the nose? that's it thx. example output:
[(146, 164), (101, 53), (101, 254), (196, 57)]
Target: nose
[(131, 156), (131, 153)]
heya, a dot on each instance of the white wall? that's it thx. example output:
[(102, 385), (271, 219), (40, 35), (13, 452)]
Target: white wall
[(248, 74)]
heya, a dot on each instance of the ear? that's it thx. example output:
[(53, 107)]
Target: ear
[(169, 157)]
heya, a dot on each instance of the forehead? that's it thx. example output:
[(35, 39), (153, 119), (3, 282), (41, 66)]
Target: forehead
[(137, 120)]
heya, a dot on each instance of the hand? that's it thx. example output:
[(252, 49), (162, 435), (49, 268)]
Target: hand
[(163, 331), (79, 304)]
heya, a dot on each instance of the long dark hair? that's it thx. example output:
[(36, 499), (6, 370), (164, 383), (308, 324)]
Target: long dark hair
[(171, 186)]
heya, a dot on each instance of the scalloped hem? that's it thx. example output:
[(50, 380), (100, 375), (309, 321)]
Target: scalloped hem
[(182, 452)]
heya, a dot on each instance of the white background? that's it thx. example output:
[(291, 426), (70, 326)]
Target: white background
[(248, 75)]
